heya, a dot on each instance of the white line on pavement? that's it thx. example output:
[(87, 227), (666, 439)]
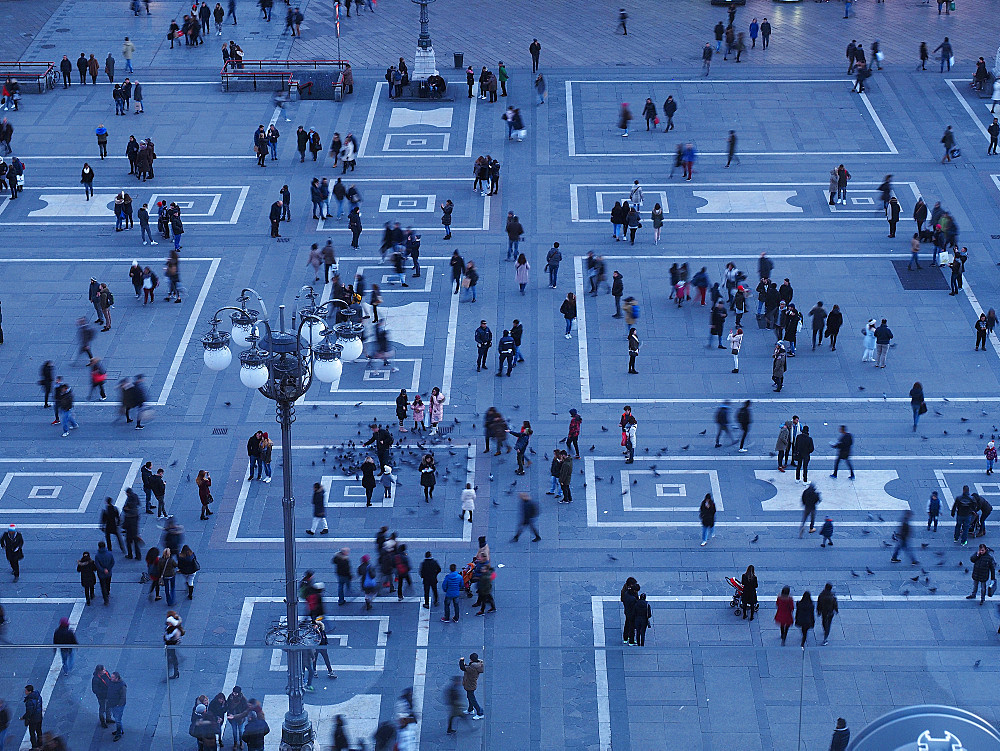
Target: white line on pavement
[(168, 382), (967, 108)]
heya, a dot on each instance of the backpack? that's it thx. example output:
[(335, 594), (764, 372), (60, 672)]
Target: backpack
[(111, 298), (635, 312), (369, 581)]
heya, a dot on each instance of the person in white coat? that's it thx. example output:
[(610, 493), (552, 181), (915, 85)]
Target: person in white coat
[(468, 501), (868, 333), (996, 94), (735, 342)]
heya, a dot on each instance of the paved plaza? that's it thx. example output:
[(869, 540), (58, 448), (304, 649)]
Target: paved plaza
[(557, 675)]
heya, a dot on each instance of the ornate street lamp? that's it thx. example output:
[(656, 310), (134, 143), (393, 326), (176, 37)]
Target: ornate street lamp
[(281, 365)]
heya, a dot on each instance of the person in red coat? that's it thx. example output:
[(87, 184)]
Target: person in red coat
[(783, 617)]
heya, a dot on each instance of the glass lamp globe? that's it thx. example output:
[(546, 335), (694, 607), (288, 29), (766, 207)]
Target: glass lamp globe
[(218, 358), (253, 376), (352, 348), (241, 333), (313, 332), (328, 370)]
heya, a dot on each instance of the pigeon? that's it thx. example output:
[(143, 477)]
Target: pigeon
[(932, 590), (594, 447), (336, 415), (966, 419), (755, 538), (624, 492), (553, 413), (604, 429), (545, 456), (611, 557), (906, 593), (923, 437), (914, 578), (866, 531), (229, 404), (703, 432), (635, 482), (923, 571), (886, 544), (358, 405), (871, 516), (517, 406), (173, 463), (869, 570), (924, 544), (936, 412), (854, 573), (495, 503), (598, 478), (880, 518), (940, 563), (861, 388), (685, 448)]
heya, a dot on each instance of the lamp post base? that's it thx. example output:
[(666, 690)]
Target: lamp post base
[(424, 64), (295, 738)]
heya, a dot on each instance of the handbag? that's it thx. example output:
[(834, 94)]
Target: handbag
[(923, 408), (656, 121)]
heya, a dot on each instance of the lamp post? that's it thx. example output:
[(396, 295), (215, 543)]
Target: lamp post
[(424, 64), (281, 365)]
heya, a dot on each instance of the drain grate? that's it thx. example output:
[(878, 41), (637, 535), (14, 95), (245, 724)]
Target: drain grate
[(220, 431)]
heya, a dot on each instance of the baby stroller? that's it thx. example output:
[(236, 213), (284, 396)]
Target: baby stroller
[(737, 602)]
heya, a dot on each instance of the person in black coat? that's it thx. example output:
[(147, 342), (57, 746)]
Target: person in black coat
[(368, 481), (110, 523), (749, 596), (669, 109), (643, 619), (630, 600), (805, 617), (275, 217), (841, 736), (13, 547), (319, 510), (834, 321), (429, 571), (802, 450)]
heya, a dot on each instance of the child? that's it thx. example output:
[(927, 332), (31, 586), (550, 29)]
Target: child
[(468, 501), (933, 510), (991, 456), (388, 480), (826, 532), (418, 407), (401, 404)]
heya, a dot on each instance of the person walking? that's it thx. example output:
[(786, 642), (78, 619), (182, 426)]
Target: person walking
[(188, 566), (88, 575), (105, 561), (110, 523), (917, 403), (982, 332), (963, 511), (429, 571), (536, 50), (743, 419), (529, 514), (902, 538), (521, 269), (843, 445), (12, 543), (319, 510), (948, 140), (784, 607), (826, 609), (568, 310), (805, 618), (810, 500), (706, 512), (731, 144), (128, 49), (983, 571), (62, 636)]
